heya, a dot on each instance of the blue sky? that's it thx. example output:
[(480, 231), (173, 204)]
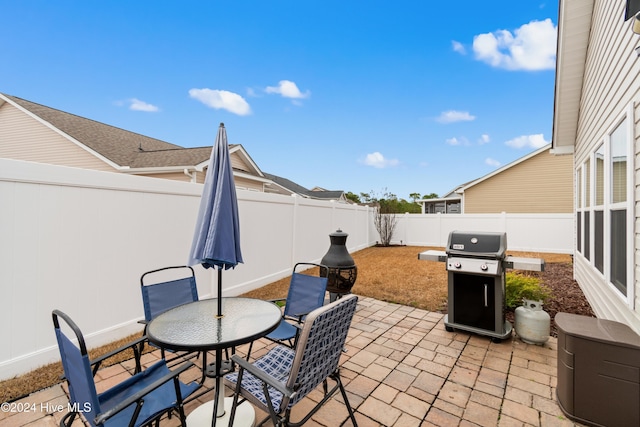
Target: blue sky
[(361, 96)]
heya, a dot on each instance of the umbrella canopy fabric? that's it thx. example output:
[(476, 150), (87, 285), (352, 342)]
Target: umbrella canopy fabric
[(216, 240)]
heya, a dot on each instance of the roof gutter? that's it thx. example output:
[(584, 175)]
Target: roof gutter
[(191, 175)]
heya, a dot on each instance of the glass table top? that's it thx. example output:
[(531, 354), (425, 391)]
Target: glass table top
[(194, 326)]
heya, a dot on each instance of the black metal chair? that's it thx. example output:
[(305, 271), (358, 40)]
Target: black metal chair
[(283, 377), (139, 400)]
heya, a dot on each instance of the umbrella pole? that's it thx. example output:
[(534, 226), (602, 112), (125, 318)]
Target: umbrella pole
[(219, 292)]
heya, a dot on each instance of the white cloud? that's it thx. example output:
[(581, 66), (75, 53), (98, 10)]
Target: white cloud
[(458, 47), (492, 162), (528, 141), (484, 139), (377, 160), (530, 47), (287, 89), (137, 105), (457, 141), (453, 116), (222, 100)]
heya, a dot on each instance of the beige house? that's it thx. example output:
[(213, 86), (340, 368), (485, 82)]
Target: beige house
[(37, 133), (596, 116), (536, 183), (34, 132)]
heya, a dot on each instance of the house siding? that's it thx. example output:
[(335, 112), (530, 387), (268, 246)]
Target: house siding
[(610, 86), (247, 184), (24, 138), (237, 163), (176, 176), (540, 184)]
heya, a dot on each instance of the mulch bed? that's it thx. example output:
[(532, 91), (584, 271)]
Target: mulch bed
[(567, 295)]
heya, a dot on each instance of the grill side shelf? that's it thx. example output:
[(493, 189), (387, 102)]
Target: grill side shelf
[(432, 255), (520, 263)]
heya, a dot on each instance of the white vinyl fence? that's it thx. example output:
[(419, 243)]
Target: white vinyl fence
[(551, 233), (78, 240)]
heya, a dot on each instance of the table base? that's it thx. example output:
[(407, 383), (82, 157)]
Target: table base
[(201, 416)]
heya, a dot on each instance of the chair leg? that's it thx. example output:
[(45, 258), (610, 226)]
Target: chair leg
[(346, 400), (179, 403), (236, 395), (249, 352), (277, 422), (67, 420)]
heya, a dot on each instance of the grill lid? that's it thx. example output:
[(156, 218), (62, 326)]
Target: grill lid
[(477, 244)]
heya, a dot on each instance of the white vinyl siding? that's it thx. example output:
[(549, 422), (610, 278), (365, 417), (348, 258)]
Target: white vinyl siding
[(611, 91)]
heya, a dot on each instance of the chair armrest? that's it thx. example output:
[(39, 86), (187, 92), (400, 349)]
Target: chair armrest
[(133, 345), (262, 376), (118, 350), (142, 393)]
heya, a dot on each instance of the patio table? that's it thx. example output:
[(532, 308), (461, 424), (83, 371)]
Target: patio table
[(195, 327)]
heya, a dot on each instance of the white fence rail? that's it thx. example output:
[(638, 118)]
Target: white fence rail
[(553, 233), (78, 240)]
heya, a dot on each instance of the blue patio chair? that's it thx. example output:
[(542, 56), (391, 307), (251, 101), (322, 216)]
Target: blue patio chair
[(306, 293), (284, 376), (159, 296), (138, 400), (166, 288)]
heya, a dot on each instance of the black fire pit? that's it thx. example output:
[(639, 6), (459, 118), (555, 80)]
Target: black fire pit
[(342, 271)]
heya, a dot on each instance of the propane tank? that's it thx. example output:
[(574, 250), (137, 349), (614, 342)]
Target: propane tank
[(533, 324)]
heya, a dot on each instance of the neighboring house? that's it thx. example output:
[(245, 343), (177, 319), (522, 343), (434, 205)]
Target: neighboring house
[(34, 132), (449, 203), (536, 183), (281, 185), (596, 116)]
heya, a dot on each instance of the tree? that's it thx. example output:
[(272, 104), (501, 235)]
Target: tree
[(353, 197), (384, 216), (415, 196)]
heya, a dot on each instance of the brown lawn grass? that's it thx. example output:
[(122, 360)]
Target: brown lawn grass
[(392, 274), (395, 274)]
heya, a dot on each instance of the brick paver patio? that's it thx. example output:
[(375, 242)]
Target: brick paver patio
[(401, 369)]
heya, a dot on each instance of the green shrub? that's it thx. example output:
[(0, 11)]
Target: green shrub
[(519, 287)]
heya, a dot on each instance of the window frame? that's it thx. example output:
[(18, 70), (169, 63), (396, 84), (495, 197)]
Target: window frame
[(590, 201)]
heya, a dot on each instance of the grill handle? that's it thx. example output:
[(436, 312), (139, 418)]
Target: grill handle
[(486, 303)]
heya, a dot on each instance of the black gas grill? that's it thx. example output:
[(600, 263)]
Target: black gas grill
[(476, 264)]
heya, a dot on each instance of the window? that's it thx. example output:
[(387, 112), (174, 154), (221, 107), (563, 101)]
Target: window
[(598, 214), (579, 210), (618, 190), (603, 208)]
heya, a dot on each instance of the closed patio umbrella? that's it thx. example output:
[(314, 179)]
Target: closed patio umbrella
[(216, 240)]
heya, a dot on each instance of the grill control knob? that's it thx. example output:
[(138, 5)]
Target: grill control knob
[(457, 265), (484, 267)]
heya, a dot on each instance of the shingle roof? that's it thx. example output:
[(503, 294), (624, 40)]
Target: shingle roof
[(122, 147), (298, 189), (173, 157)]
